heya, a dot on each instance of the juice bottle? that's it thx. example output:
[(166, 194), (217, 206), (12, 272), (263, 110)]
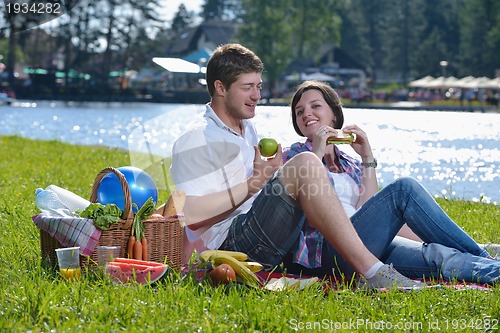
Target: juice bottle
[(71, 273)]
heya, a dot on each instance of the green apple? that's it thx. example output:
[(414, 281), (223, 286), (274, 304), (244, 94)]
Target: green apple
[(268, 147)]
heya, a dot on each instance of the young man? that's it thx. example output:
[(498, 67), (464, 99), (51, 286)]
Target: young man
[(235, 200)]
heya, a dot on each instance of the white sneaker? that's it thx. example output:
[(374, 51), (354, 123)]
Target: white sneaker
[(387, 278), (493, 250)]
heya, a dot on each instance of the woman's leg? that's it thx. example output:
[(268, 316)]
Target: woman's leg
[(404, 201), (436, 261), (407, 200)]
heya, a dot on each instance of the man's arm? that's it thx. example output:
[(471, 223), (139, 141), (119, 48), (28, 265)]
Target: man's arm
[(207, 210)]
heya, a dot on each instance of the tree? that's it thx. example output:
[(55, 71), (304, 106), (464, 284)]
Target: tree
[(266, 30), (282, 31), (363, 22), (480, 39), (182, 19), (224, 10), (314, 23)]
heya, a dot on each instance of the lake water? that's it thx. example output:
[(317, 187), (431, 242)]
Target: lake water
[(454, 154)]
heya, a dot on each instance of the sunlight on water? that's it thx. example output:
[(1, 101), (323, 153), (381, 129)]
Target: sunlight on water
[(454, 154)]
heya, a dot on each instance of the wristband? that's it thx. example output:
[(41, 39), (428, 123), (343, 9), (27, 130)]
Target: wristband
[(370, 164)]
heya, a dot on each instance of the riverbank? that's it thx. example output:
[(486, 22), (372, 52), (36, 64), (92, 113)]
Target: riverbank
[(187, 99)]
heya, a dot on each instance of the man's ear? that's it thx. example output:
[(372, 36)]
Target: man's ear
[(219, 87)]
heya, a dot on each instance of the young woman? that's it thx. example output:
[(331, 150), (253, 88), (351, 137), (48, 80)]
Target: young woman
[(401, 224)]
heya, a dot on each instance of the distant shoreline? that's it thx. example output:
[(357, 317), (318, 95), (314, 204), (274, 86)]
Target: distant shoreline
[(403, 105)]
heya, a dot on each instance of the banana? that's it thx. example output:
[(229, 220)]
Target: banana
[(205, 255), (239, 268), (253, 266)]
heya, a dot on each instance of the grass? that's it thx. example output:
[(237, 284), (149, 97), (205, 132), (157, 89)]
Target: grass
[(36, 299)]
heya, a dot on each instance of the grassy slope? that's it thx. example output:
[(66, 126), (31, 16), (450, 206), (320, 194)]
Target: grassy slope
[(36, 299)]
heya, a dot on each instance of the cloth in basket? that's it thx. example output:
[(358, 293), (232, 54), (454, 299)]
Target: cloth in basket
[(70, 231)]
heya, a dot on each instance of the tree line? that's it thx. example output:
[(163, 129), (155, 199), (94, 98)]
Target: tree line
[(397, 39)]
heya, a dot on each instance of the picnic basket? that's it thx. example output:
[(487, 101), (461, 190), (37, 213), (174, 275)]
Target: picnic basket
[(165, 236)]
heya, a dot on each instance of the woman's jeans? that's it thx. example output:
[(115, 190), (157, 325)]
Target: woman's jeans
[(447, 252)]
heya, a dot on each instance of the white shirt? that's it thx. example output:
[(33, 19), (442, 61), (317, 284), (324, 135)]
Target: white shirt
[(209, 158), (347, 191)]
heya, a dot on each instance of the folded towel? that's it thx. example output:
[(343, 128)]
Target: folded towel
[(70, 231)]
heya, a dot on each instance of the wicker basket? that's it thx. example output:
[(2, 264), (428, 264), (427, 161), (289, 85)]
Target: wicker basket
[(165, 236)]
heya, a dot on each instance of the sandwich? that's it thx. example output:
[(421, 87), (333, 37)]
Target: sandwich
[(340, 138)]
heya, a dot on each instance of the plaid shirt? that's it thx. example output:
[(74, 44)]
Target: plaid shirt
[(308, 252)]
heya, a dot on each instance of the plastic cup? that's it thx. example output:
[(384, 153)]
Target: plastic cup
[(106, 254), (68, 259)]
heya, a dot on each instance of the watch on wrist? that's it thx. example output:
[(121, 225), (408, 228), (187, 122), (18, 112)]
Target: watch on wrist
[(370, 164)]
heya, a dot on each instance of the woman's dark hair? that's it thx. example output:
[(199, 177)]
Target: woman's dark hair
[(230, 61), (330, 96)]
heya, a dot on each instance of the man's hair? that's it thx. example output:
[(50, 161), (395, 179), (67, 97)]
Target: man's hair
[(330, 96), (228, 62)]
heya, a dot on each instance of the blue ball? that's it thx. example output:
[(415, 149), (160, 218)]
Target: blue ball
[(141, 186)]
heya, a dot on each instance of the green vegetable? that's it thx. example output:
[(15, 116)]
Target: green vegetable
[(103, 215), (142, 214)]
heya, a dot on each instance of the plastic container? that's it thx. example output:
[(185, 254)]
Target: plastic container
[(49, 203), (72, 201)]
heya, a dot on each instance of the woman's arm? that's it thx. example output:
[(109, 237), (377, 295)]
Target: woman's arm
[(369, 183)]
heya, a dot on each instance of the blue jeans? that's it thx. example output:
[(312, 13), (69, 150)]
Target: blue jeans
[(270, 229), (447, 252)]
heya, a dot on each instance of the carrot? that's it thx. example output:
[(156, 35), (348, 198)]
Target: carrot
[(144, 242), (137, 250), (130, 247)]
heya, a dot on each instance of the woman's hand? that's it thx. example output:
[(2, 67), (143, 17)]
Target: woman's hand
[(320, 148), (361, 146)]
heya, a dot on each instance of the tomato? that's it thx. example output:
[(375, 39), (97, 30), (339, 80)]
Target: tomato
[(222, 274)]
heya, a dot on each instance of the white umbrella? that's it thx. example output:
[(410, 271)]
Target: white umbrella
[(463, 82), (486, 83), (476, 83), (421, 82), (495, 83), (442, 83), (318, 76)]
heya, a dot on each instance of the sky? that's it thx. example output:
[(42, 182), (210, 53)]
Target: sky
[(170, 7)]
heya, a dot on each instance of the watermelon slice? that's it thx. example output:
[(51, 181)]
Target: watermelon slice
[(140, 262), (124, 270)]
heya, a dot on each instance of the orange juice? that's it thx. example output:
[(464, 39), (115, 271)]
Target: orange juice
[(71, 273)]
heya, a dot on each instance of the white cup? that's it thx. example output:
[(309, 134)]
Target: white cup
[(68, 259)]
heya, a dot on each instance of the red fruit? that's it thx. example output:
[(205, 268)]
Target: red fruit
[(222, 274)]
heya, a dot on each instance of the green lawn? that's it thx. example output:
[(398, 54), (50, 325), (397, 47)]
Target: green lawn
[(35, 299)]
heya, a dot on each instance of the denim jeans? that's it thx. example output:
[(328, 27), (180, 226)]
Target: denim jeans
[(447, 252), (257, 232)]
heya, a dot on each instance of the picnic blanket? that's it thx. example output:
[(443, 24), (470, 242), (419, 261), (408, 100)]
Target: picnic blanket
[(274, 281), (70, 231)]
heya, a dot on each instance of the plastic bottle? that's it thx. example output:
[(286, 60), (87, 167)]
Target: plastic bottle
[(49, 203), (69, 199)]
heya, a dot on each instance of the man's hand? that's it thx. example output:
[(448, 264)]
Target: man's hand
[(263, 169)]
